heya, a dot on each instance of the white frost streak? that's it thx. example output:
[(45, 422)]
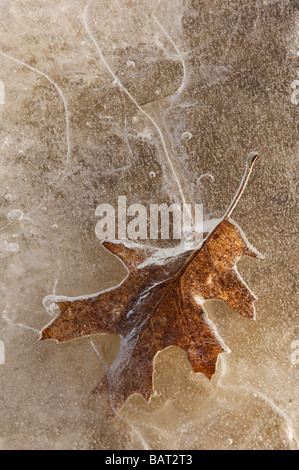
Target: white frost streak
[(58, 89), (123, 88)]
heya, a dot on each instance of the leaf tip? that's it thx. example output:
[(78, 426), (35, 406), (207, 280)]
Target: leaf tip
[(253, 252), (46, 334)]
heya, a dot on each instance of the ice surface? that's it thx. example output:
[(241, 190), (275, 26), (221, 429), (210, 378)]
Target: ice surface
[(159, 101)]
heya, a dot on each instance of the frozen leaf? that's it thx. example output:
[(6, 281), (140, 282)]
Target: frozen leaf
[(160, 304)]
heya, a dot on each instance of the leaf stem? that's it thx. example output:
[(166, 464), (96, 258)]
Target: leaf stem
[(251, 160)]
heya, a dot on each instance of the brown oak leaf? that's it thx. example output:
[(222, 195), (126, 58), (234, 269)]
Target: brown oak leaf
[(160, 304)]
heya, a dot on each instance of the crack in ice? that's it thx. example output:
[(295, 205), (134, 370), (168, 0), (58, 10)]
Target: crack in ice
[(58, 89), (124, 89), (291, 431), (21, 325), (185, 77), (117, 415)]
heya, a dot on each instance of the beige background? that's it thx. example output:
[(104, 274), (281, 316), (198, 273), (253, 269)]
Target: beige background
[(221, 70)]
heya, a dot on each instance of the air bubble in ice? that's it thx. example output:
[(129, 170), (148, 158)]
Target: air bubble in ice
[(12, 247), (229, 442), (54, 226), (186, 135), (205, 175), (8, 197), (15, 214), (145, 135), (130, 63), (152, 174)]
